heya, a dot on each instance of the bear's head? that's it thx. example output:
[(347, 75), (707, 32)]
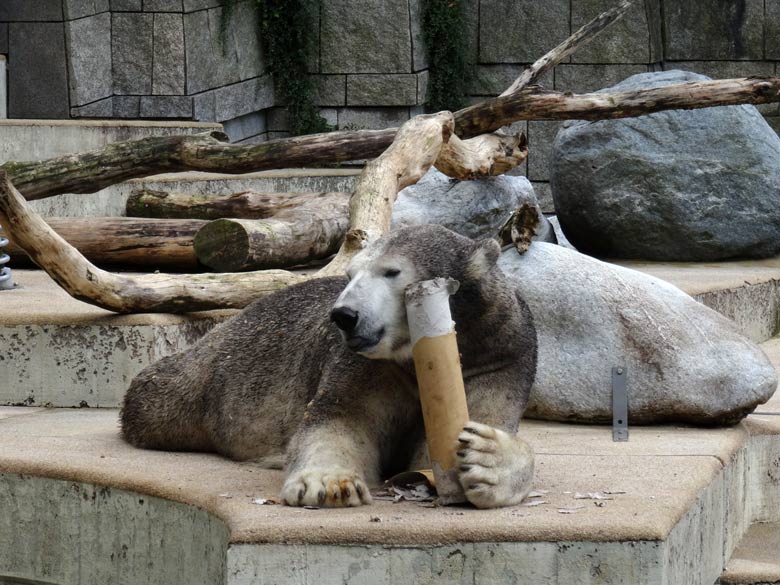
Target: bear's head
[(371, 310)]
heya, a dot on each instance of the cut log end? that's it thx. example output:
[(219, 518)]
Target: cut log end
[(223, 245)]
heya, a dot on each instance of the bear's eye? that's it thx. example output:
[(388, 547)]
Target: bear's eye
[(392, 272)]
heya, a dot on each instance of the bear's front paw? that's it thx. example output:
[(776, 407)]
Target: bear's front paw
[(330, 488), (495, 468)]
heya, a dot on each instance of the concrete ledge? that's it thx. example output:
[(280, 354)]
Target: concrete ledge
[(757, 559), (58, 351), (22, 140)]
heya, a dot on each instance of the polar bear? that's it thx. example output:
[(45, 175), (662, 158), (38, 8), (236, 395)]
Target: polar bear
[(318, 377)]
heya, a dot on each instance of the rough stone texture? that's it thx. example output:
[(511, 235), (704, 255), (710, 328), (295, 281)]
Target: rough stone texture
[(244, 127), (772, 31), (278, 119), (193, 5), (3, 88), (587, 78), (4, 37), (684, 361), (419, 54), (373, 39), (126, 5), (542, 135), (544, 195), (25, 10), (163, 5), (422, 87), (686, 186), (382, 90), (371, 118), (330, 90), (38, 70), (99, 109), (476, 209), (89, 65), (210, 64), (713, 29), (510, 29), (226, 103), (635, 38), (168, 62), (132, 45), (81, 8), (167, 106), (127, 106)]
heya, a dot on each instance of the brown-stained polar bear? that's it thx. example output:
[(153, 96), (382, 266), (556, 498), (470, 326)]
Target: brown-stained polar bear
[(319, 377)]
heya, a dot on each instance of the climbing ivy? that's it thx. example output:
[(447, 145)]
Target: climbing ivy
[(444, 32), (286, 30)]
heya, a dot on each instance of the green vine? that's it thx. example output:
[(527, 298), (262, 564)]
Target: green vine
[(444, 30), (285, 27)]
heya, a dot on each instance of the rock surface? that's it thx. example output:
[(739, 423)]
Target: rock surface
[(695, 185), (685, 362), (476, 209)]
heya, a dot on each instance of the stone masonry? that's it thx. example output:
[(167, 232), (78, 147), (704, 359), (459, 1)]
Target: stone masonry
[(163, 59)]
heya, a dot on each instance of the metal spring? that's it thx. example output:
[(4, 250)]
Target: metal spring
[(6, 282)]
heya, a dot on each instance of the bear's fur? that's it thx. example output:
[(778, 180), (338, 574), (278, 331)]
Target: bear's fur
[(279, 384)]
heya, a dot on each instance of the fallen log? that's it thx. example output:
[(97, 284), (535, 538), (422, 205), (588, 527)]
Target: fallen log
[(243, 205), (312, 231), (145, 293), (148, 243), (92, 171)]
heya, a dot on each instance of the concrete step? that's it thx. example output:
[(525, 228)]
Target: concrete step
[(111, 201), (22, 140), (756, 561), (62, 352), (98, 510)]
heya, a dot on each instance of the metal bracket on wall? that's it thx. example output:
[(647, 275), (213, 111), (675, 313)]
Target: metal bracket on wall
[(619, 404)]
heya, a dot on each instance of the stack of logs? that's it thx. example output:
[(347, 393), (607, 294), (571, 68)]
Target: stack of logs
[(252, 231), (230, 233)]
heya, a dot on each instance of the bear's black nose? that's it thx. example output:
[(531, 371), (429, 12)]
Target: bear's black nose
[(345, 318)]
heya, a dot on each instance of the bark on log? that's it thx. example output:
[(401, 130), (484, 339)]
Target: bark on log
[(168, 293), (244, 205), (149, 243), (309, 232), (90, 172), (414, 150)]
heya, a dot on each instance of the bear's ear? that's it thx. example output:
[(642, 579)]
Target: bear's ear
[(483, 258)]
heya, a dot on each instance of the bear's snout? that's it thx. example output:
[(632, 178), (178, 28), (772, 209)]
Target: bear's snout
[(345, 318)]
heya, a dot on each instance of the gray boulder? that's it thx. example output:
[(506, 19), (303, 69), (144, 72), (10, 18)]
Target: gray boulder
[(685, 362), (694, 185), (476, 209)]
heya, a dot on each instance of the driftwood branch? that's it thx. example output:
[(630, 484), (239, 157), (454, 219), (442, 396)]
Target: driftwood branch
[(244, 205), (482, 156), (416, 147), (164, 244), (169, 293), (90, 172)]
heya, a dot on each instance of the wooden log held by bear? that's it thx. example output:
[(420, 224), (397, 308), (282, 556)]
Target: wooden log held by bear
[(440, 380)]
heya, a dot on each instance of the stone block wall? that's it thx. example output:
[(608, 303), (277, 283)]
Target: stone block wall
[(163, 59)]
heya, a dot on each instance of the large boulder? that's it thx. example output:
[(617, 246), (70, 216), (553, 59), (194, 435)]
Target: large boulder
[(685, 362), (476, 209), (693, 185)]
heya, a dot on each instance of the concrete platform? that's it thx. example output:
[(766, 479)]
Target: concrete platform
[(757, 558)]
